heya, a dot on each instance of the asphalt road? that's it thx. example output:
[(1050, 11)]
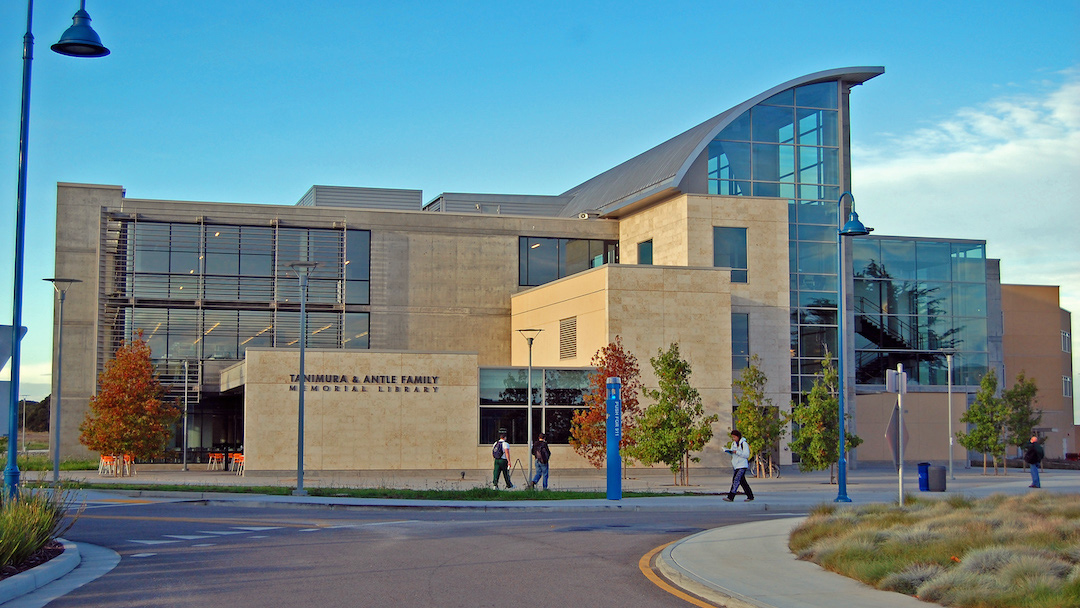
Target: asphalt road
[(190, 554)]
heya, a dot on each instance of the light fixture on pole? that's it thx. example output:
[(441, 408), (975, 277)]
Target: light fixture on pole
[(530, 335), (84, 42), (302, 270), (61, 286), (853, 227)]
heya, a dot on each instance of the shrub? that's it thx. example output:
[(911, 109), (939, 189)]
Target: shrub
[(910, 579), (29, 523)]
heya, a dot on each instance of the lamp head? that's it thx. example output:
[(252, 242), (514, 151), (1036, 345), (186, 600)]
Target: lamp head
[(80, 40), (303, 268), (854, 227), (530, 334)]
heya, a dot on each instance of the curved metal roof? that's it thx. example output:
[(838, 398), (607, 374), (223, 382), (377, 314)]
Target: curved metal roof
[(664, 166)]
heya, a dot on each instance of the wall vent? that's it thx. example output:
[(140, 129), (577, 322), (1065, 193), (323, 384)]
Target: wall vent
[(568, 338)]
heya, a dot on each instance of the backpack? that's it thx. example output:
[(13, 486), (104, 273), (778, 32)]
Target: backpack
[(497, 450), (1031, 456)]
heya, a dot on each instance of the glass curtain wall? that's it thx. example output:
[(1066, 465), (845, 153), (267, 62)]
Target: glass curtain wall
[(789, 147), (201, 294), (915, 302)]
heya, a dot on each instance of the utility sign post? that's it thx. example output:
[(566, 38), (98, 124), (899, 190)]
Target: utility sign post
[(896, 382), (614, 435)]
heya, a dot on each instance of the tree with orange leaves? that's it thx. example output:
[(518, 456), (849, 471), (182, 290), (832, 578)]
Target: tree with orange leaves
[(127, 415), (588, 431)]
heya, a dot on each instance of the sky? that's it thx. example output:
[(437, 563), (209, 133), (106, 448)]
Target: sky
[(972, 132)]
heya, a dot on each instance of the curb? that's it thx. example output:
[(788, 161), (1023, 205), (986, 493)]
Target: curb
[(39, 576), (688, 582)]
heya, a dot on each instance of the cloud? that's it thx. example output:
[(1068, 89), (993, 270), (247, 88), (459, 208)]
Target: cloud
[(35, 379), (1007, 172)]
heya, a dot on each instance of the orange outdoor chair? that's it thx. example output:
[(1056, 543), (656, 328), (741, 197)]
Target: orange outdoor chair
[(107, 465), (129, 465), (216, 461), (238, 463)]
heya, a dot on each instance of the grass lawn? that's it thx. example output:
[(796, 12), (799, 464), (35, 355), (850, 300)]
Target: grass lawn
[(997, 552)]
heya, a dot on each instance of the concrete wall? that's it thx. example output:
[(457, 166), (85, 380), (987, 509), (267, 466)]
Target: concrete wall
[(387, 423), (1034, 320)]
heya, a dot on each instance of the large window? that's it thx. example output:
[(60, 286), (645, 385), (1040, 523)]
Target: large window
[(556, 394), (729, 251), (915, 301), (543, 260)]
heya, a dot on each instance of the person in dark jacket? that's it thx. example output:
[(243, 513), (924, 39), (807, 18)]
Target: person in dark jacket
[(1034, 456), (543, 455)]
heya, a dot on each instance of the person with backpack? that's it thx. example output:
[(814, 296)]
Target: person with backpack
[(740, 461), (542, 453), (1034, 455), (501, 453)]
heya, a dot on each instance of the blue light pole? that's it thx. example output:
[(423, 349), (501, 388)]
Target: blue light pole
[(302, 270), (80, 40), (853, 227)]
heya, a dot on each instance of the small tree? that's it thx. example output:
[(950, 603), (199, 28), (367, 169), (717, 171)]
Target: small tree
[(588, 430), (676, 425), (756, 416), (817, 440), (989, 417), (127, 415), (1022, 415)]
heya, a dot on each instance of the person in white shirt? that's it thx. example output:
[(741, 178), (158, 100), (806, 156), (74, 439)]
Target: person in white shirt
[(501, 453), (740, 460)]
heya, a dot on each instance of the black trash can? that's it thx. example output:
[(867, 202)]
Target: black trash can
[(924, 476), (936, 479)]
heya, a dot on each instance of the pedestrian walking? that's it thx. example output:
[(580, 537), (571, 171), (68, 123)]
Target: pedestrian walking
[(501, 453), (542, 453), (1034, 455), (740, 461)]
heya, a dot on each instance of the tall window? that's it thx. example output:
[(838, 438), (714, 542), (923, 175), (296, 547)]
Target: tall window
[(740, 341), (1066, 342), (1066, 386), (729, 251), (644, 252)]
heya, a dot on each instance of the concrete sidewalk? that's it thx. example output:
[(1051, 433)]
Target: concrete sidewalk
[(742, 565)]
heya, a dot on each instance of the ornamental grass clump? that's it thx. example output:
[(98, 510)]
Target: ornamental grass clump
[(998, 552), (30, 522)]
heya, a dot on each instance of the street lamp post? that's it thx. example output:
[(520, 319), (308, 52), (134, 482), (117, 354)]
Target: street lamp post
[(302, 270), (79, 40), (61, 286), (530, 335), (948, 359), (853, 227)]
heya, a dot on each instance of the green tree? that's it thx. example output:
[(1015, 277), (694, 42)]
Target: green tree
[(756, 416), (816, 416), (1022, 416), (37, 414), (588, 429), (989, 416), (127, 415), (676, 425)]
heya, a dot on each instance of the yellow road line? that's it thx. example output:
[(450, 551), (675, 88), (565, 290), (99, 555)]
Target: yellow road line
[(645, 565)]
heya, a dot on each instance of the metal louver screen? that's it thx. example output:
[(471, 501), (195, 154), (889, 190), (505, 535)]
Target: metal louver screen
[(568, 338)]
